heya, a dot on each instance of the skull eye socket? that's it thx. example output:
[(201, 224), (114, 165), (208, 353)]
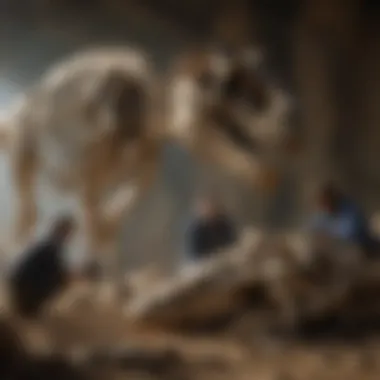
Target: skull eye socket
[(206, 79), (127, 101), (234, 86), (258, 94), (246, 86)]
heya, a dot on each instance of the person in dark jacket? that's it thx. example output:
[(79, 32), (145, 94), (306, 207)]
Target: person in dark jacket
[(41, 272), (340, 217), (210, 230)]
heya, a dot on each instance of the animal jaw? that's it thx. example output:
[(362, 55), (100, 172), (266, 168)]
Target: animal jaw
[(220, 108)]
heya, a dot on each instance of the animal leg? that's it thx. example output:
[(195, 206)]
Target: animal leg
[(240, 164), (24, 172), (104, 219), (244, 166), (127, 196), (96, 232), (103, 226)]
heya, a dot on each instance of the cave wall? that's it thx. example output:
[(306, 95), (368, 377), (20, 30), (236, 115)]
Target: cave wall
[(336, 63)]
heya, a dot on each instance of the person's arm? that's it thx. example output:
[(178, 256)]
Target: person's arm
[(128, 195)]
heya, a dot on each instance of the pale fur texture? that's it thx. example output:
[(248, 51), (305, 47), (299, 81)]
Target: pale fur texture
[(72, 128)]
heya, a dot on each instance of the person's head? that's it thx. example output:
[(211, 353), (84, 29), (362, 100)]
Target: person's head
[(329, 198), (63, 227)]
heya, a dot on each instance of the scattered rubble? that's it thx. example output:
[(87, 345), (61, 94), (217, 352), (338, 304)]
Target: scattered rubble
[(206, 321)]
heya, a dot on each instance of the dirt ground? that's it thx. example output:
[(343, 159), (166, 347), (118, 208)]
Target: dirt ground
[(97, 336)]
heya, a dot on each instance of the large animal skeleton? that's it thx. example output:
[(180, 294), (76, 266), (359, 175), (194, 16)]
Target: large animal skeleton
[(94, 126), (224, 110)]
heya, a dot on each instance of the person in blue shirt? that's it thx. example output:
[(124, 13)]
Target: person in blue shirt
[(210, 230), (341, 218)]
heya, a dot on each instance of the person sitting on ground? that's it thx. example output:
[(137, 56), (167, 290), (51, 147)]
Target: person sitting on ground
[(339, 217), (210, 230), (40, 273)]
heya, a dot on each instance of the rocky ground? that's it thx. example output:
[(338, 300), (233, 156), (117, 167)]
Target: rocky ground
[(210, 322), (114, 354)]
